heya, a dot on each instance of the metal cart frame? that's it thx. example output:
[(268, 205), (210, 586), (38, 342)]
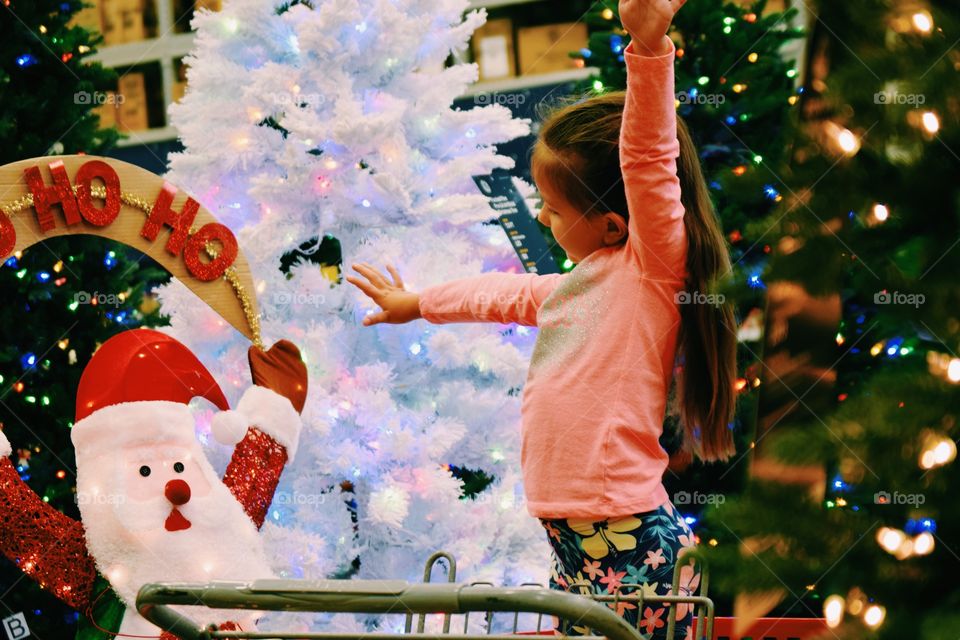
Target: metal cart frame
[(584, 610)]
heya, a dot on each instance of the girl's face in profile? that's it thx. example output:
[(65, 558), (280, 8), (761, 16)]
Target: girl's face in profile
[(577, 233)]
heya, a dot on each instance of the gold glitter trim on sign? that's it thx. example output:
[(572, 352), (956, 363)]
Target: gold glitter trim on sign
[(19, 205), (230, 275), (131, 200)]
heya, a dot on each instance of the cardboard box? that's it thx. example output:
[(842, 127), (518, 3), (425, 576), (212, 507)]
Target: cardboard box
[(132, 110), (547, 49), (89, 17), (131, 14), (179, 89), (123, 21), (112, 23), (771, 7), (212, 5), (493, 49), (107, 110)]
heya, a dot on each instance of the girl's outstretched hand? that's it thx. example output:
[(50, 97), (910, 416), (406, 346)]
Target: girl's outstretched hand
[(398, 305), (647, 22)]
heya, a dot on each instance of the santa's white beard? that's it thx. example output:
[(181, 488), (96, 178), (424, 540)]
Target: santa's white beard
[(132, 547)]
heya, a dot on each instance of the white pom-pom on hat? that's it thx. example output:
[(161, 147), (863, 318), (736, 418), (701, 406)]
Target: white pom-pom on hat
[(5, 448), (229, 427)]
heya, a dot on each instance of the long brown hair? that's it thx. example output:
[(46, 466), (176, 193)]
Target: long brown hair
[(585, 136)]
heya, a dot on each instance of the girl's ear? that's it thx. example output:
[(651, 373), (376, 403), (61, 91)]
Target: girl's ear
[(615, 229)]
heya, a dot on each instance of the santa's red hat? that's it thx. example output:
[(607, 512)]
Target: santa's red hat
[(140, 374)]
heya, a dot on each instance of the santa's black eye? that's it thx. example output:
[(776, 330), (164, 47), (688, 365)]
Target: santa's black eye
[(145, 471), (178, 467)]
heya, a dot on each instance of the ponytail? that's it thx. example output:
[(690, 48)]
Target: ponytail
[(707, 343)]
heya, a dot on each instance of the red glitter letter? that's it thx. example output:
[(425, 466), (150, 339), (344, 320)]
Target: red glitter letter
[(162, 214), (208, 271), (8, 235), (44, 197), (111, 181)]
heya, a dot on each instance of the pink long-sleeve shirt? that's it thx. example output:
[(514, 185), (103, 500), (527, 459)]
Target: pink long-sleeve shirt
[(596, 393)]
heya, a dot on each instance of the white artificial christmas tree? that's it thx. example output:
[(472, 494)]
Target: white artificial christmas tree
[(335, 117)]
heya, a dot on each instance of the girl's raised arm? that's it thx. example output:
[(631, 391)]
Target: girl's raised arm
[(648, 140)]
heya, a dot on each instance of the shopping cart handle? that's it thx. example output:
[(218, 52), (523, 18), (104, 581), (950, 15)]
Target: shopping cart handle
[(370, 596), (150, 601), (365, 587)]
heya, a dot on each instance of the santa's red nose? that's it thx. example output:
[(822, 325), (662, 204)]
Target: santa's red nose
[(177, 492)]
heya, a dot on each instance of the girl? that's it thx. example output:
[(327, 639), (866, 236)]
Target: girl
[(641, 228)]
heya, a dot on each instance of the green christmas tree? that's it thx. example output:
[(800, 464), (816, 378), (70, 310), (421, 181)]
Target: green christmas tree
[(47, 88), (64, 296), (735, 91), (870, 216)]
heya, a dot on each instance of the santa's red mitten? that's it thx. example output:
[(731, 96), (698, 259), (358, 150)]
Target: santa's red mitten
[(280, 369), (5, 448), (269, 412)]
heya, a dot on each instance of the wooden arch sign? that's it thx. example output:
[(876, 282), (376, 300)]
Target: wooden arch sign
[(87, 195)]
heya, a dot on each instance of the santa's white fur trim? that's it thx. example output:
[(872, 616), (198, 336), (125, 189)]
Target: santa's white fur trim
[(133, 423), (5, 448), (125, 532), (272, 414), (229, 427)]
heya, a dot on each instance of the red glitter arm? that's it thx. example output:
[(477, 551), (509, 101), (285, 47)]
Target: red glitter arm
[(47, 545), (258, 460), (254, 473)]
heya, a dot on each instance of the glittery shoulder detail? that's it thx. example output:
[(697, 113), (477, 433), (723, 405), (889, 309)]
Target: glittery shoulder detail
[(568, 316)]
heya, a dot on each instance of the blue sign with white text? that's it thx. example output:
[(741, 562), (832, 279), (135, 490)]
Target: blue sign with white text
[(514, 216)]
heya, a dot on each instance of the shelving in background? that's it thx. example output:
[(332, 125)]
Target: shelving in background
[(525, 44), (147, 40), (524, 38), (140, 43)]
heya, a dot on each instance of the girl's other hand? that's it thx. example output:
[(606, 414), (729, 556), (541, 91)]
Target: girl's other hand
[(397, 305), (647, 22)]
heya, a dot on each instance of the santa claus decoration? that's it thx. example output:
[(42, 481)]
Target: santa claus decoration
[(152, 507)]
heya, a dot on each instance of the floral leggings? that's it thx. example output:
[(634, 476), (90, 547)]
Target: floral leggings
[(624, 554)]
